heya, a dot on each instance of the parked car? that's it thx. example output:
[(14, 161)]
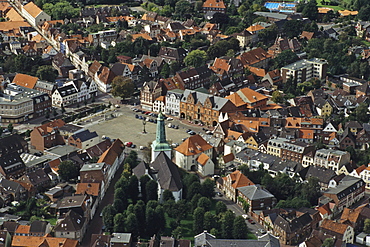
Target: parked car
[(192, 133), (129, 144), (133, 146), (176, 127), (169, 119), (136, 116), (169, 125), (262, 231), (188, 130), (245, 216), (219, 194)]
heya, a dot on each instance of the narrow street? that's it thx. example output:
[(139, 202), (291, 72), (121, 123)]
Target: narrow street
[(96, 224)]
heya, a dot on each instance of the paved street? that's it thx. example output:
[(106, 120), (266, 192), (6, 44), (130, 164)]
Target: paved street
[(239, 211)]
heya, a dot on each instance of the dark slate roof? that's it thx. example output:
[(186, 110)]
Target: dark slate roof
[(10, 185), (365, 88), (38, 226), (85, 135), (346, 186), (292, 225), (11, 162), (37, 176), (177, 53), (67, 90), (176, 26), (99, 149), (168, 174), (141, 169), (72, 222), (61, 60), (12, 143), (237, 243), (324, 175), (71, 201)]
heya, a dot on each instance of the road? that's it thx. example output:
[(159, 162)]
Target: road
[(96, 224), (238, 211)]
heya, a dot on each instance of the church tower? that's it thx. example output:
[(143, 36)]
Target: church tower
[(160, 143)]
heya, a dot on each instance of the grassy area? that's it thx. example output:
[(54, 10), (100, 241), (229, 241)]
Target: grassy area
[(367, 43), (335, 8)]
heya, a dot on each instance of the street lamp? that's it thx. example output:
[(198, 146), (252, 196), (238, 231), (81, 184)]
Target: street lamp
[(144, 123)]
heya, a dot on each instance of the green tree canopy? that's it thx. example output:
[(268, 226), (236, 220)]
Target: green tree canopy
[(240, 229), (68, 170), (122, 87), (198, 220), (195, 58), (47, 73)]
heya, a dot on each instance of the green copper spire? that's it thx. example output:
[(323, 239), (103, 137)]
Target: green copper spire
[(161, 132), (160, 143)]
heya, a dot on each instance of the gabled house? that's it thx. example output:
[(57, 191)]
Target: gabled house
[(25, 80), (13, 144), (356, 216), (47, 135), (347, 140), (341, 231), (188, 155), (39, 228), (72, 226), (194, 78), (255, 58), (149, 93), (66, 95), (172, 54), (11, 166), (34, 14), (232, 182), (38, 178), (227, 67), (81, 205), (62, 64), (47, 240)]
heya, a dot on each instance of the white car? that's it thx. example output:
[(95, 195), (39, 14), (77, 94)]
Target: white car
[(169, 119)]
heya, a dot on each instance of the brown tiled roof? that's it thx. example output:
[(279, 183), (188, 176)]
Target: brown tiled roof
[(239, 179), (257, 71), (142, 35), (23, 229), (88, 188), (32, 9), (193, 145), (106, 75), (255, 28), (325, 209), (7, 26), (25, 80), (254, 56), (307, 35), (112, 153), (202, 159), (229, 157), (214, 4), (13, 16), (334, 226), (250, 96), (32, 241)]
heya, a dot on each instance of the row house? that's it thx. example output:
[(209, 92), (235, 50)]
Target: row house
[(47, 135), (83, 139), (247, 98), (62, 64), (64, 96), (12, 166), (194, 77), (72, 226), (356, 216), (344, 193), (304, 70), (204, 108), (153, 64), (214, 6), (173, 99), (225, 67), (19, 104), (172, 54), (283, 44), (86, 89), (332, 159), (343, 232), (96, 39), (24, 241), (150, 91), (126, 70), (13, 144), (258, 58)]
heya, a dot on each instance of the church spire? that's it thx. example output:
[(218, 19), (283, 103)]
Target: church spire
[(160, 143)]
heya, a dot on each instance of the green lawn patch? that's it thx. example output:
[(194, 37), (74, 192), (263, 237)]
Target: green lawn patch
[(187, 228), (367, 43), (251, 236), (335, 8)]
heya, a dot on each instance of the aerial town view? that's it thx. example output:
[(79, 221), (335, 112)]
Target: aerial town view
[(181, 123)]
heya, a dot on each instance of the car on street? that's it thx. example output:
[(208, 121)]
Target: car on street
[(262, 231), (191, 133), (128, 144), (219, 194), (169, 119), (188, 130), (245, 216)]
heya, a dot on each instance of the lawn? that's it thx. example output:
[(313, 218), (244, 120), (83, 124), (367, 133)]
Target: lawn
[(367, 43), (335, 8)]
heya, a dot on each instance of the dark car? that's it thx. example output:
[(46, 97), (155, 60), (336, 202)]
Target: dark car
[(136, 116)]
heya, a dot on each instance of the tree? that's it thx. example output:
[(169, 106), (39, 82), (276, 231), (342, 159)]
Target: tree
[(139, 210), (277, 97), (195, 188), (151, 189), (240, 229), (160, 218), (119, 223), (364, 13), (296, 202), (46, 73), (328, 242), (220, 207), (143, 181), (10, 128), (367, 226), (167, 195), (205, 203), (120, 204), (133, 188), (284, 58), (68, 170), (311, 190), (227, 224), (198, 217), (122, 87), (207, 188), (165, 72), (292, 28), (183, 9), (150, 221), (108, 216), (310, 10), (195, 58), (132, 225), (209, 221)]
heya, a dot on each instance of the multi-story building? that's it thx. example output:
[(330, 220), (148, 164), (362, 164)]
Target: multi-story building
[(47, 135), (173, 99), (344, 193), (295, 150), (204, 108), (194, 77), (19, 104), (247, 98), (34, 14), (275, 146), (305, 70), (331, 159), (258, 58), (216, 6), (102, 36), (227, 67), (232, 182), (149, 93), (65, 95)]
